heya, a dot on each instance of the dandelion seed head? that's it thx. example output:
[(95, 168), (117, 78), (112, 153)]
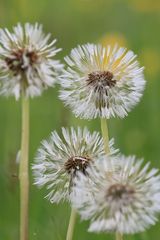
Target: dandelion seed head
[(121, 195), (101, 81), (27, 61), (59, 160)]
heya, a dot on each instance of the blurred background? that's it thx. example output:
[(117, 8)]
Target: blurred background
[(134, 24)]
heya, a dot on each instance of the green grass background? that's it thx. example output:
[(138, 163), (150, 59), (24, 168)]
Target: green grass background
[(134, 23)]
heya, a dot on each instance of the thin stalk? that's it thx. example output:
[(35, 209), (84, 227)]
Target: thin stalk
[(119, 236), (71, 225), (23, 171), (104, 130)]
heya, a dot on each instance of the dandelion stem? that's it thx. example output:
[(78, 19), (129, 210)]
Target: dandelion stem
[(23, 171), (104, 130), (71, 224), (119, 236)]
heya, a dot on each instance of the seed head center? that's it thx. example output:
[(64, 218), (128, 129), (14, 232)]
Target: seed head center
[(120, 192), (20, 60), (77, 163), (101, 79)]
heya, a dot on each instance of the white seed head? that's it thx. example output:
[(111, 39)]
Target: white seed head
[(27, 61), (60, 159), (121, 195), (101, 81)]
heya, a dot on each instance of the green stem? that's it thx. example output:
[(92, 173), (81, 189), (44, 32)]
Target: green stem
[(71, 225), (104, 130), (23, 171), (119, 236)]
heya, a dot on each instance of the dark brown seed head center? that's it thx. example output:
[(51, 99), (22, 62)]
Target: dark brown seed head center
[(120, 191), (101, 79), (20, 60), (77, 163)]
